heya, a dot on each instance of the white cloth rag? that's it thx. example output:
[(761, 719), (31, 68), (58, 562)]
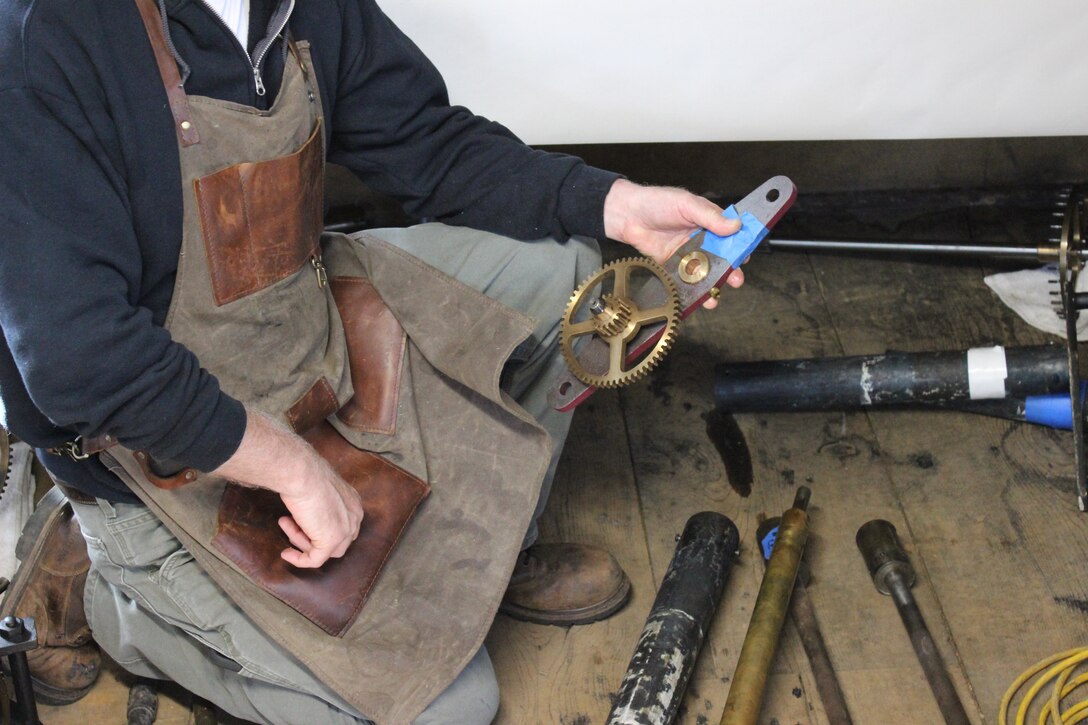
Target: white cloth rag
[(1028, 294)]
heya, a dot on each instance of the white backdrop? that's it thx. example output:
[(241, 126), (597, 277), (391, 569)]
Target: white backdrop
[(599, 71)]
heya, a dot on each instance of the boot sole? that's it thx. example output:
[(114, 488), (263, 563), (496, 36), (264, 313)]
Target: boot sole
[(570, 617), (29, 550)]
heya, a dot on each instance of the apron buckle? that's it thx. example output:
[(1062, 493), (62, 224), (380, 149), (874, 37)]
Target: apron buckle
[(73, 449)]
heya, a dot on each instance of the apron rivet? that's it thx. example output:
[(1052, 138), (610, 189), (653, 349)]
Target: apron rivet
[(185, 125)]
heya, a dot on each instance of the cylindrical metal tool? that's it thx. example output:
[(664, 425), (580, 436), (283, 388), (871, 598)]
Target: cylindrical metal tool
[(893, 574), (939, 379), (769, 614), (808, 627), (653, 687)]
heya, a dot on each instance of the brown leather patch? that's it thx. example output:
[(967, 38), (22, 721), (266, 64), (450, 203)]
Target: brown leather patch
[(318, 403), (261, 221), (331, 597), (179, 479), (171, 78), (376, 345)]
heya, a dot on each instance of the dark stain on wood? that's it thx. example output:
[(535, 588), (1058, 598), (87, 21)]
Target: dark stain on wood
[(728, 439), (1077, 605)]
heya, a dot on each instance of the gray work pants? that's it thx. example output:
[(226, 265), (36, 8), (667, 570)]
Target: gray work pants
[(155, 612)]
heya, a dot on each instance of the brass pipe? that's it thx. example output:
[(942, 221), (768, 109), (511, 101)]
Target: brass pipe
[(745, 698)]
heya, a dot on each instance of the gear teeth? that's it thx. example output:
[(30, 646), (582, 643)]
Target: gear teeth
[(5, 459)]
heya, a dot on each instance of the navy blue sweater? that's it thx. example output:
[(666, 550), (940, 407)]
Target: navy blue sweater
[(90, 202)]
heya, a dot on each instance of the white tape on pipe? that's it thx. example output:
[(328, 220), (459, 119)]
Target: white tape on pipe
[(986, 372)]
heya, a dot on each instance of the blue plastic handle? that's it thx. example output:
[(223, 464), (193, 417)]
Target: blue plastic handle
[(1055, 410)]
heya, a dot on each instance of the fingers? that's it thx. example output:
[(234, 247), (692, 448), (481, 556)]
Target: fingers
[(295, 535), (707, 214), (308, 554), (735, 278)]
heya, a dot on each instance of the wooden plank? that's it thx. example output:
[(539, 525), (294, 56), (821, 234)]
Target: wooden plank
[(568, 675)]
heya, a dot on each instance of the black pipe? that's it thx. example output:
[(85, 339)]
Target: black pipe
[(928, 379), (653, 687)]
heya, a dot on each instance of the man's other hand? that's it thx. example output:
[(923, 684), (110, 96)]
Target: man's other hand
[(658, 220)]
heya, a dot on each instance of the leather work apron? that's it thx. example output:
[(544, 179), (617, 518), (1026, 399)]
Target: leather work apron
[(263, 299)]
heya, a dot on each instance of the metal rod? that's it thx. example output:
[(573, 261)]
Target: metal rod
[(652, 690), (745, 698), (24, 691), (812, 639), (1047, 252), (893, 574)]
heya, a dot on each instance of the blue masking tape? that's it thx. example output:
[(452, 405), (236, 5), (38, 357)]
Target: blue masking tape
[(768, 542), (737, 247)]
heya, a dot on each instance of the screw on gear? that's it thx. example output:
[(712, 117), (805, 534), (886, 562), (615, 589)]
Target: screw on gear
[(631, 322)]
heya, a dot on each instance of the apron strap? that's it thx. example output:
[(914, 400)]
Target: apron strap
[(168, 69)]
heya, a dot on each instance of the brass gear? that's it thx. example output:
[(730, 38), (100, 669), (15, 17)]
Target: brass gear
[(616, 318)]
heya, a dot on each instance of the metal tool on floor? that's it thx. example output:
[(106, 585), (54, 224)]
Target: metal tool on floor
[(803, 615), (622, 320), (143, 702), (769, 614), (1019, 383), (653, 687), (17, 637), (893, 575)]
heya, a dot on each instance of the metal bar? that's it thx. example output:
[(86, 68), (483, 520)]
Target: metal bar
[(812, 639), (950, 248), (926, 649)]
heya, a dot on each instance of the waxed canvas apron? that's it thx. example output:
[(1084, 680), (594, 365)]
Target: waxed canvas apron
[(256, 299)]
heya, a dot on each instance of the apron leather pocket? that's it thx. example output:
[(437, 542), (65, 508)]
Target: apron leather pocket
[(261, 221), (376, 345), (332, 596)]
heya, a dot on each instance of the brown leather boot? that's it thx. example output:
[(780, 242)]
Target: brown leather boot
[(49, 587), (565, 584)]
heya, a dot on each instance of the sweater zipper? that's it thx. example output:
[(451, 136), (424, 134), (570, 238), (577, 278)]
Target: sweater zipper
[(263, 46)]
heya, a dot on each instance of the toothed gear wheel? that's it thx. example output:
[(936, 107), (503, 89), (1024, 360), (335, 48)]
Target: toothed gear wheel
[(5, 459), (607, 307)]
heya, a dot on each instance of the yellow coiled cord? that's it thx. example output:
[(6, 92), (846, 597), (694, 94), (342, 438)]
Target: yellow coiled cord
[(1058, 668)]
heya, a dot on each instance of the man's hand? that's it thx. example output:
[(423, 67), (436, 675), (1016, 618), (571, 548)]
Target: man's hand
[(658, 220), (325, 511)]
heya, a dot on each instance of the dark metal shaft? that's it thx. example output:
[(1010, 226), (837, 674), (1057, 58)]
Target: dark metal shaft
[(926, 649), (812, 639), (1042, 253), (653, 687), (24, 691), (893, 574)]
